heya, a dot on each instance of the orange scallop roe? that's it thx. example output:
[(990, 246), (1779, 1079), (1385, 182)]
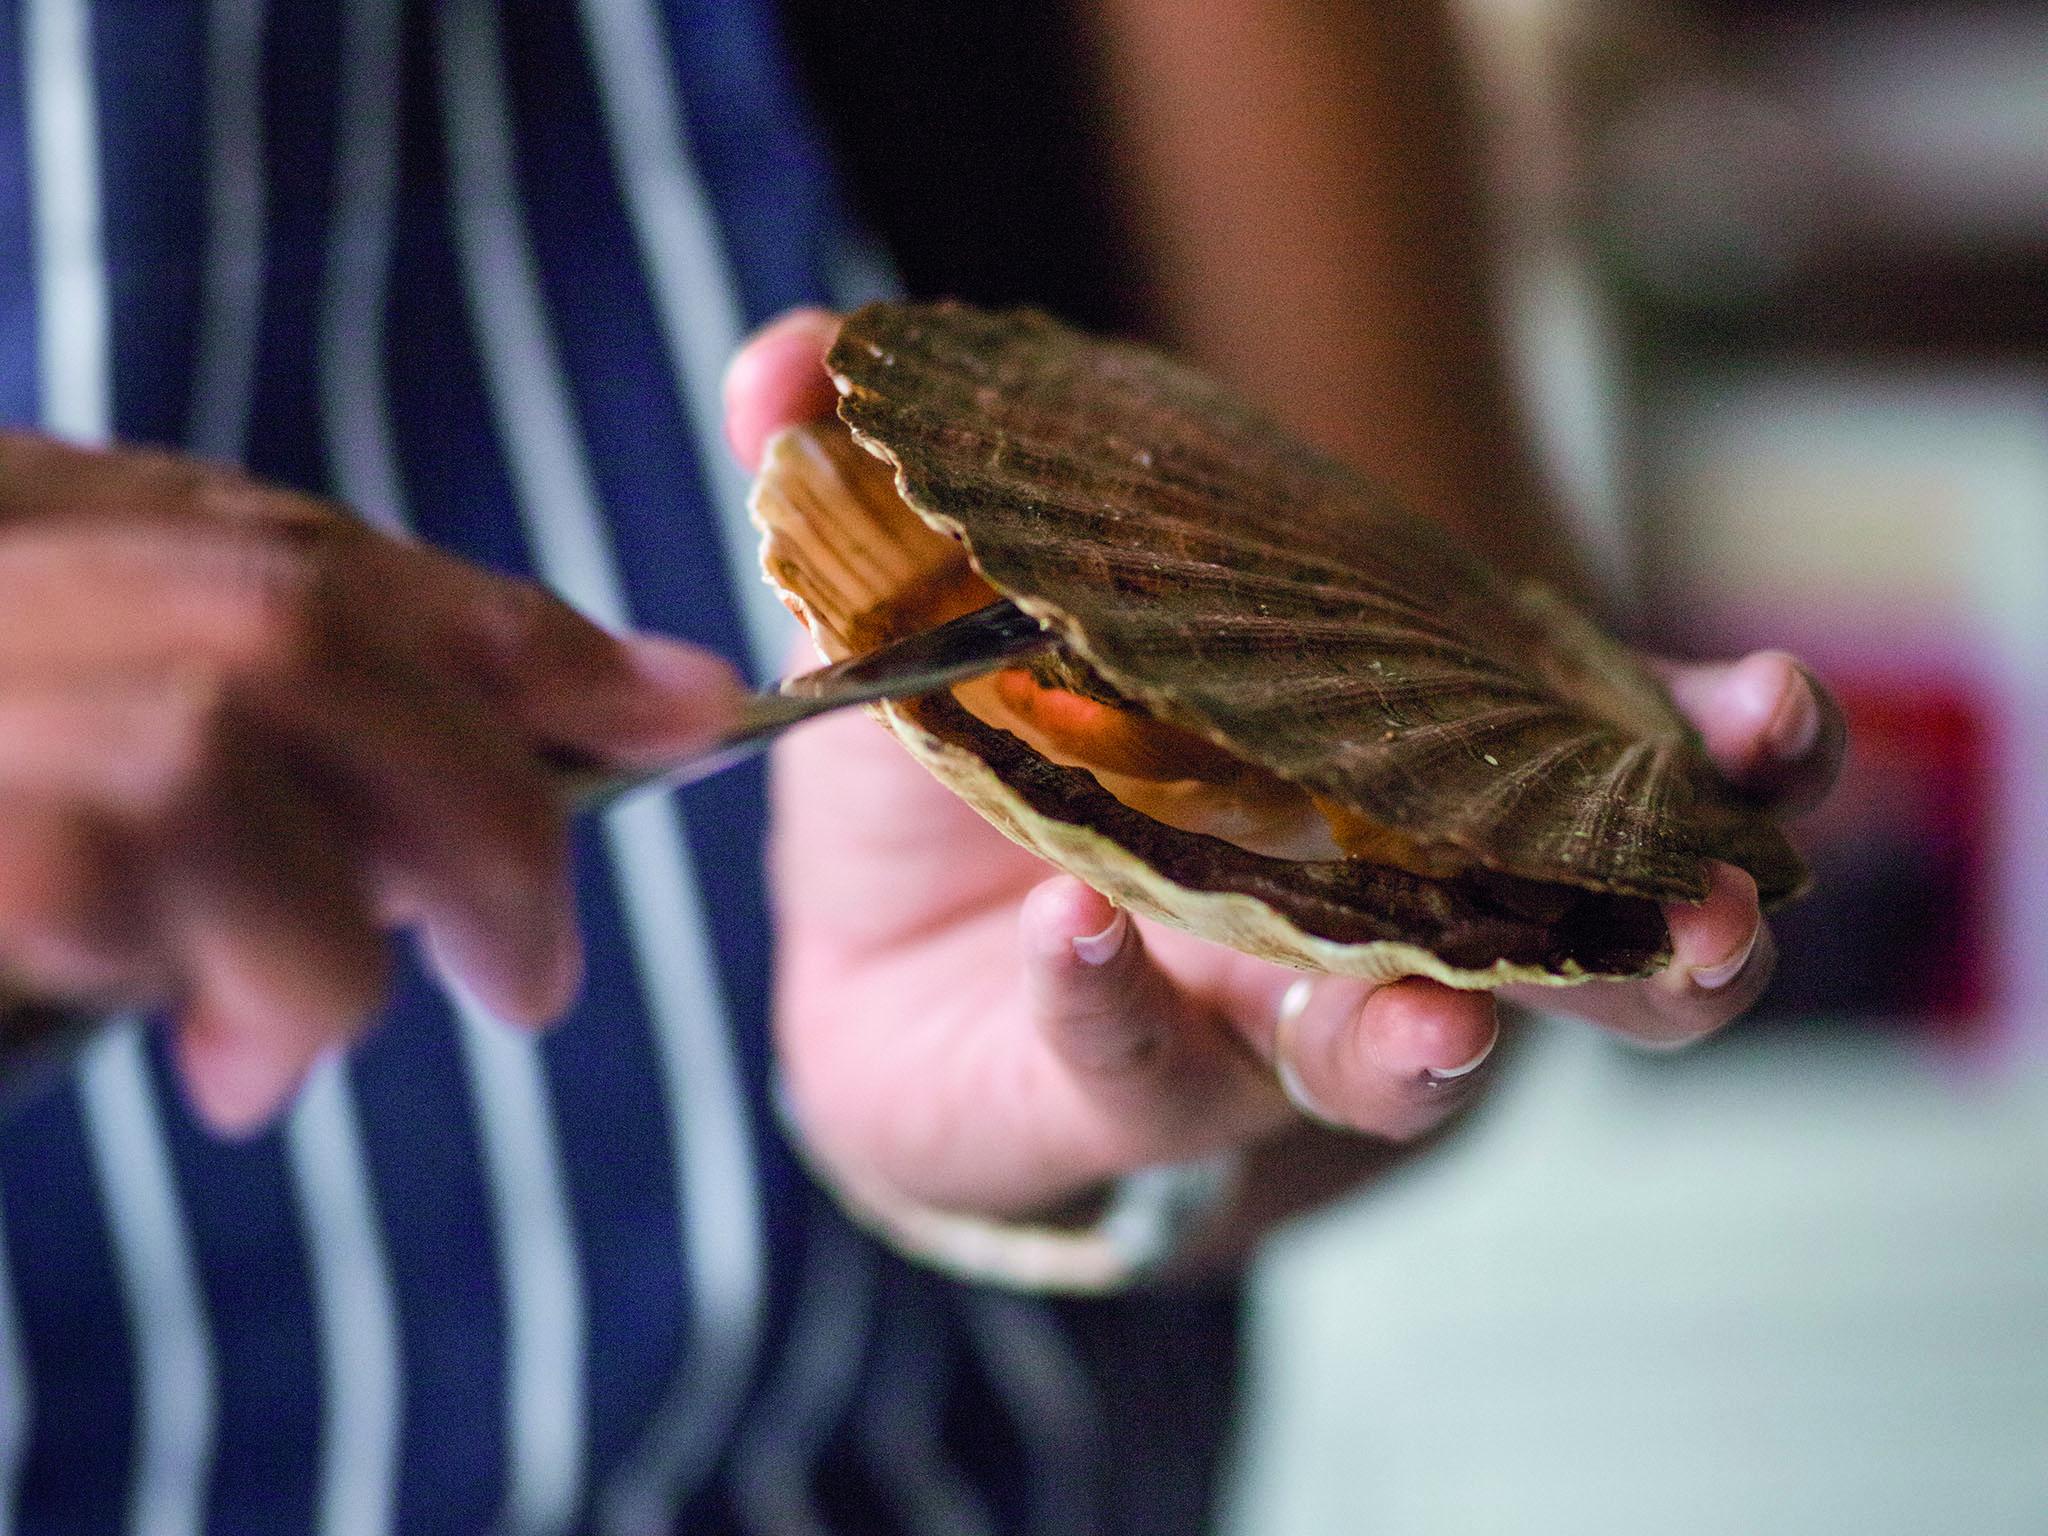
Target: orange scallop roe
[(1115, 740), (1135, 746)]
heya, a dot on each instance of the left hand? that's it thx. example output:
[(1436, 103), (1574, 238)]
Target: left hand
[(976, 1036)]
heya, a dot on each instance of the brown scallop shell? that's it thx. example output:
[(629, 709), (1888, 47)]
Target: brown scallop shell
[(1236, 583)]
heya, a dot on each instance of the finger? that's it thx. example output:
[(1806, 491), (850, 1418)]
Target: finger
[(74, 914), (577, 693), (44, 481), (1392, 1061), (280, 952), (236, 601), (1768, 723), (1722, 958), (460, 828), (468, 841), (112, 598), (778, 379), (1165, 1078)]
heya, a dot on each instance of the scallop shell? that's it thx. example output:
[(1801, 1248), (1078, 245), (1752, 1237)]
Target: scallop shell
[(1226, 578)]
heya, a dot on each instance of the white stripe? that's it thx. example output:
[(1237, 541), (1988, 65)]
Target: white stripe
[(64, 167), (693, 292), (231, 312), (1034, 1369), (351, 339), (782, 1442), (901, 1433), (174, 1354), (356, 1314), (17, 1407), (361, 1363), (715, 1174), (541, 1284), (716, 1180), (545, 1381)]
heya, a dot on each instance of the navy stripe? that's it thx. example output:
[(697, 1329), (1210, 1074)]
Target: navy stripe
[(613, 360), (73, 1323), (302, 49), (420, 1139), (149, 64), (755, 146), (456, 490), (244, 1231), (604, 1073), (20, 402)]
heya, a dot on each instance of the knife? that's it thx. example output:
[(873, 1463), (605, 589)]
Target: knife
[(38, 1039)]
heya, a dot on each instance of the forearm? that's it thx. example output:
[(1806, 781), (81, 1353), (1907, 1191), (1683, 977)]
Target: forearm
[(1303, 182)]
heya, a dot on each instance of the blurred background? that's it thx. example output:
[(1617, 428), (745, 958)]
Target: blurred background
[(1779, 275), (1778, 281)]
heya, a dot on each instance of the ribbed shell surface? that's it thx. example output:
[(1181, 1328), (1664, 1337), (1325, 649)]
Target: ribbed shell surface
[(1236, 582)]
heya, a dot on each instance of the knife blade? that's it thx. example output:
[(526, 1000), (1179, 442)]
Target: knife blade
[(967, 647)]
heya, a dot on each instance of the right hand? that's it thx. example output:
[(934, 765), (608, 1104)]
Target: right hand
[(242, 736)]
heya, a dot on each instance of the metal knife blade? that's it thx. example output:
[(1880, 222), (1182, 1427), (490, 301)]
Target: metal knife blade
[(976, 643)]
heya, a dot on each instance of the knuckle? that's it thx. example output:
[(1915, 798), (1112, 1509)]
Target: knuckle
[(518, 618), (197, 749), (67, 913), (188, 738), (279, 621), (525, 627), (1111, 1042)]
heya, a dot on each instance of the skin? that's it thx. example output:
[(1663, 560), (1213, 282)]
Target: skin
[(963, 1032), (243, 738), (1302, 181)]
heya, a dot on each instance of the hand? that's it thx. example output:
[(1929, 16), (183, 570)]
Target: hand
[(242, 736), (958, 1028)]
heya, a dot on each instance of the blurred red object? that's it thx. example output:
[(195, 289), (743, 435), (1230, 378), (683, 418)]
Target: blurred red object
[(1897, 925)]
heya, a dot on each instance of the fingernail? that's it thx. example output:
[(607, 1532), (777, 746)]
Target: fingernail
[(1101, 948), (1711, 978), (1797, 726), (1452, 1074)]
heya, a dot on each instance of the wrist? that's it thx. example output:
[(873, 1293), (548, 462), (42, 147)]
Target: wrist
[(1124, 1232), (1104, 1237)]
